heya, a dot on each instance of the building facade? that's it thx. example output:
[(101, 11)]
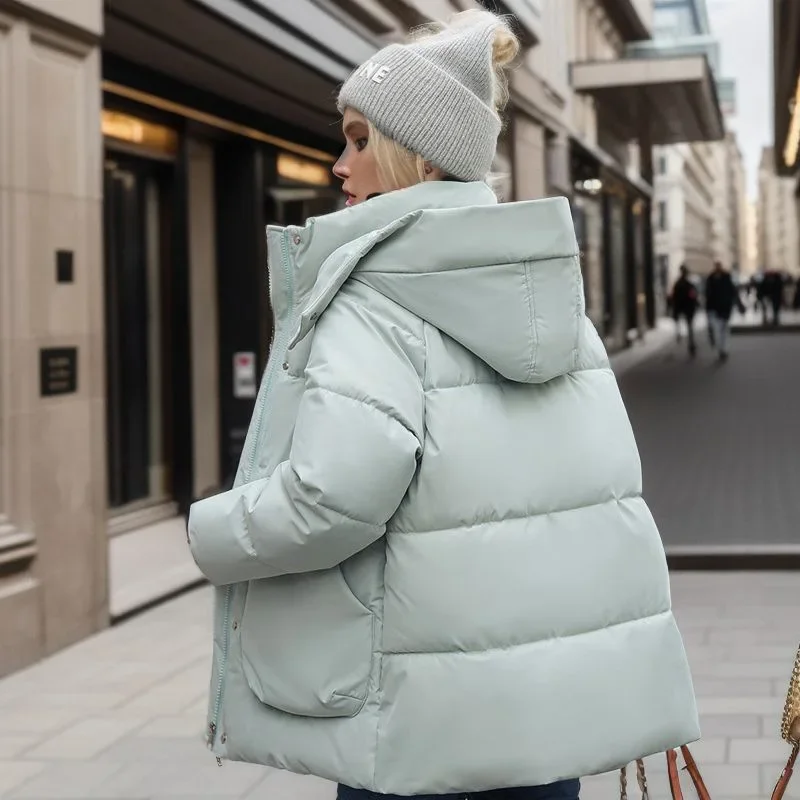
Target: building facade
[(778, 232), (684, 214), (139, 164), (785, 156), (691, 211), (730, 205), (737, 206)]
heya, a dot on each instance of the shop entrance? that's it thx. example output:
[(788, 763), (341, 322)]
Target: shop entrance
[(290, 206), (138, 333)]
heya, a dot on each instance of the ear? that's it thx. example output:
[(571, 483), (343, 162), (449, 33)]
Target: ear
[(433, 173)]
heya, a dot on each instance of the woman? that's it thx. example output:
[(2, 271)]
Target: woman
[(437, 575)]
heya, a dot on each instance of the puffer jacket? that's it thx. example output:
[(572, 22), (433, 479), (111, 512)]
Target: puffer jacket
[(436, 570)]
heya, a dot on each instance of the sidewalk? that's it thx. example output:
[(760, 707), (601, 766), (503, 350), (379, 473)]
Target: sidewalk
[(753, 322), (121, 715)]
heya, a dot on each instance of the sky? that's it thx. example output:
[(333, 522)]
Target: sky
[(744, 28)]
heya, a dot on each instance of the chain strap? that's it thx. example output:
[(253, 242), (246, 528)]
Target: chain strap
[(790, 731), (641, 777), (790, 724)]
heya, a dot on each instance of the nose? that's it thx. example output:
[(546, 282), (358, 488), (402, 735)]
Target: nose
[(340, 169)]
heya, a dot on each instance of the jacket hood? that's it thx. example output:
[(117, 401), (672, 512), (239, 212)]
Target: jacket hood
[(503, 280)]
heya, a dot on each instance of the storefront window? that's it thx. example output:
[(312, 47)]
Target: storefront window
[(304, 188)]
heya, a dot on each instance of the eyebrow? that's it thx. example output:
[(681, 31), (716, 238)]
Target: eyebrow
[(356, 123)]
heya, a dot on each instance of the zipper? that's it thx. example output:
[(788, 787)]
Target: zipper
[(226, 614)]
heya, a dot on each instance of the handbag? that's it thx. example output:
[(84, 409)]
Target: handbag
[(790, 732)]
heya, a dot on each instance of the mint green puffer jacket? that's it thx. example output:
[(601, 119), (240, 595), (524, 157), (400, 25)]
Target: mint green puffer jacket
[(436, 572)]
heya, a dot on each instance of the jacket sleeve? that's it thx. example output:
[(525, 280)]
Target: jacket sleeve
[(358, 435)]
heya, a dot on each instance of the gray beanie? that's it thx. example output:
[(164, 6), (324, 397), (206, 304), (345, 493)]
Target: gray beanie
[(435, 97)]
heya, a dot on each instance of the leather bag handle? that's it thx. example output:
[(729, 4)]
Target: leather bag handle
[(699, 784), (790, 731)]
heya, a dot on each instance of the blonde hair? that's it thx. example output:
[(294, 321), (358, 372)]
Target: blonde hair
[(398, 167)]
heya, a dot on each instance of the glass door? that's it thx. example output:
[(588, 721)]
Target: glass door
[(138, 383)]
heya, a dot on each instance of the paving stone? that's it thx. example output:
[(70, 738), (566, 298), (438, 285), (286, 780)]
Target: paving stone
[(86, 701), (731, 725), (710, 750), (86, 739), (15, 773), (15, 744), (738, 705), (728, 687), (173, 779), (190, 725), (732, 780), (771, 750), (771, 724), (754, 636), (189, 750), (769, 777), (279, 785), (68, 781), (735, 669), (38, 720)]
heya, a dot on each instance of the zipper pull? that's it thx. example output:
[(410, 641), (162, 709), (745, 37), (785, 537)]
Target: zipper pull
[(212, 732)]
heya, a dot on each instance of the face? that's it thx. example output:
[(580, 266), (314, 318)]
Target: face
[(356, 166)]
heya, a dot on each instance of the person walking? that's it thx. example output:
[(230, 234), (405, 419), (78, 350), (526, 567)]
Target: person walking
[(721, 298), (436, 572), (774, 286), (684, 305)]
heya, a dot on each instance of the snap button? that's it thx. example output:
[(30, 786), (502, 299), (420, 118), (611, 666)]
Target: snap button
[(285, 365), (296, 239), (223, 738), (236, 626)]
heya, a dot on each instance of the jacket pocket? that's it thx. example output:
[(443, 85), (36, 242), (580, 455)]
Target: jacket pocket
[(307, 644)]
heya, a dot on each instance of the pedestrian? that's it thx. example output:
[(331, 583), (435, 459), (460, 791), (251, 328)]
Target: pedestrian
[(721, 298), (684, 305), (436, 571), (773, 287)]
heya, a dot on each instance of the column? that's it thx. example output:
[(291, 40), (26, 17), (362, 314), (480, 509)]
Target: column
[(530, 165), (558, 164), (52, 454)]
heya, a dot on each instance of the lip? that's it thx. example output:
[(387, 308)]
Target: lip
[(351, 198)]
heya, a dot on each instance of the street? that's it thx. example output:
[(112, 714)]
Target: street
[(720, 444), (121, 715)]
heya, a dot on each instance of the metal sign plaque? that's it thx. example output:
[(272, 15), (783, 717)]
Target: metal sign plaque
[(58, 370)]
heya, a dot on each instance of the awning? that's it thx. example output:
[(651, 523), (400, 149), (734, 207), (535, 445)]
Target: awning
[(237, 55), (659, 101)]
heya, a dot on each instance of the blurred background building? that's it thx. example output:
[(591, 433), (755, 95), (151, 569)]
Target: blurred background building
[(699, 208), (778, 231), (779, 173), (144, 146)]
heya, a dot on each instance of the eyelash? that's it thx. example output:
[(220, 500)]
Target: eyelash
[(361, 143)]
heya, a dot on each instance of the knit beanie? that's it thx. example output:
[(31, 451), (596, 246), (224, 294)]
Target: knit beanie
[(435, 97)]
